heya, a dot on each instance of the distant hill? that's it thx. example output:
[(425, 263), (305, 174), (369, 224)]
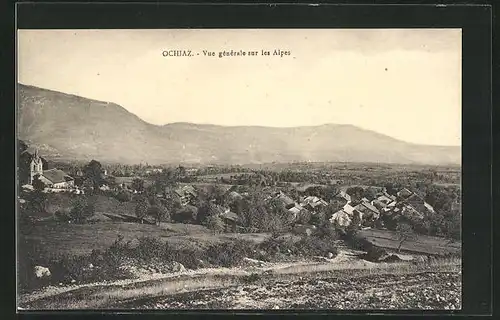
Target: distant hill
[(70, 127)]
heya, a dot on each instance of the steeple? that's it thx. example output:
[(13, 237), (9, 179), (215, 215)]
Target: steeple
[(36, 165)]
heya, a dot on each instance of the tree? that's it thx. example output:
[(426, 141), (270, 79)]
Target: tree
[(217, 194), (405, 233), (330, 192), (94, 173), (81, 210), (370, 193), (38, 184), (334, 206), (138, 184), (141, 208), (355, 221), (38, 199), (206, 210), (277, 219), (356, 193), (181, 171), (253, 210)]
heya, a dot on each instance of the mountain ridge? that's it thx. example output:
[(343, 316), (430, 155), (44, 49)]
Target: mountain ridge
[(80, 128)]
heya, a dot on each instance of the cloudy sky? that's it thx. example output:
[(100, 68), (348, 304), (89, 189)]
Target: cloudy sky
[(403, 83)]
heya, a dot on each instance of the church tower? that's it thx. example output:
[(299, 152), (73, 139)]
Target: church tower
[(36, 166)]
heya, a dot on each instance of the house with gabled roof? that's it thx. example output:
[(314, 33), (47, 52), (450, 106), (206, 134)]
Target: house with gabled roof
[(186, 194), (313, 203), (286, 200), (404, 193), (367, 210), (349, 208), (341, 218), (57, 179)]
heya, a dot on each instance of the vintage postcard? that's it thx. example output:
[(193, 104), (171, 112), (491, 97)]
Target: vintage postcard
[(300, 169)]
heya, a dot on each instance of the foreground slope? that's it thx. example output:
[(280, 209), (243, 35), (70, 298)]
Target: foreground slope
[(71, 127)]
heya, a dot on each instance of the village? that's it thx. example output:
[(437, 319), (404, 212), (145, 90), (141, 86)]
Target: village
[(362, 207), (225, 213)]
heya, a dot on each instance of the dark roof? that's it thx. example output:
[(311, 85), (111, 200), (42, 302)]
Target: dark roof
[(285, 199), (185, 190), (56, 176), (368, 206)]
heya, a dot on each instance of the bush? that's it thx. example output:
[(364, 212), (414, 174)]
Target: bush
[(63, 216), (30, 253), (314, 246), (214, 223), (123, 196), (149, 248), (229, 254), (189, 257), (276, 245), (251, 278), (186, 214), (305, 217)]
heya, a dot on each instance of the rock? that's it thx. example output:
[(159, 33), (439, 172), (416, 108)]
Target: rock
[(329, 255), (254, 262), (91, 266), (177, 267), (390, 258), (320, 259), (73, 280), (42, 272)]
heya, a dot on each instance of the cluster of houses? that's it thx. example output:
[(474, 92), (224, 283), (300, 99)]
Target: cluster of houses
[(367, 211), (404, 202), (364, 210)]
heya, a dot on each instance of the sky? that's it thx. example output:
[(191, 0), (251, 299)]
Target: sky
[(405, 83)]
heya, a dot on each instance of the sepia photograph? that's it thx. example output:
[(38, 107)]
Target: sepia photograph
[(239, 169)]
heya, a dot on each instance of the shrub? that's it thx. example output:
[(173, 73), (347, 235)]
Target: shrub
[(30, 253), (251, 278), (214, 223), (305, 217), (327, 232), (149, 248), (188, 257), (277, 245), (63, 216), (123, 196), (186, 214), (229, 254), (314, 246), (138, 184), (117, 252), (159, 213)]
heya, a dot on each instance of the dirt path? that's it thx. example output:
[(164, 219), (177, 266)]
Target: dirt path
[(283, 285), (412, 291)]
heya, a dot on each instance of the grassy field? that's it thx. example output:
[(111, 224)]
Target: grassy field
[(82, 238), (418, 244)]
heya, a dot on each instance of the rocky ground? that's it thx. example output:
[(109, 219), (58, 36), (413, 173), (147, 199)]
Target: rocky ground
[(427, 290), (344, 282)]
